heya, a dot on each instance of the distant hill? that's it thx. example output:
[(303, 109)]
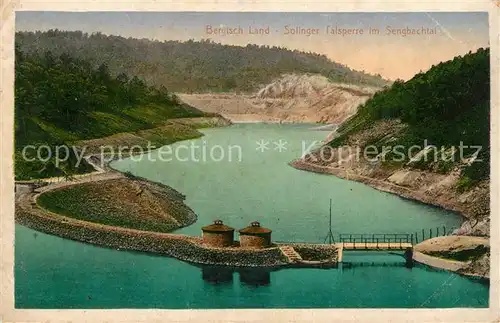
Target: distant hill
[(191, 66)]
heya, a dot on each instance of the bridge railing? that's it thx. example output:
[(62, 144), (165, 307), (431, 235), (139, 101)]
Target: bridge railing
[(387, 238), (374, 237), (413, 238)]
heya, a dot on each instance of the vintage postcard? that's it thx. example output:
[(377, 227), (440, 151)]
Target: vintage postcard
[(244, 160)]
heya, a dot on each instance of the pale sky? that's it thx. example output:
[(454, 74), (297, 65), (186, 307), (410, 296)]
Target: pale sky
[(392, 56)]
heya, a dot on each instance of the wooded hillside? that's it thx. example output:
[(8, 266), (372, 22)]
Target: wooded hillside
[(191, 66), (61, 99), (447, 105)]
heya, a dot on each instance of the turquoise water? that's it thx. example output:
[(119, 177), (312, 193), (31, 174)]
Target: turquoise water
[(263, 187), (52, 272)]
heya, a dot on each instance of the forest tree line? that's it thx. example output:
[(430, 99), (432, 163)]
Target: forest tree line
[(447, 105), (61, 99), (191, 66)]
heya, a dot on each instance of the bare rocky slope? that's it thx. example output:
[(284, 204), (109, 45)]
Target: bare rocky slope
[(291, 98)]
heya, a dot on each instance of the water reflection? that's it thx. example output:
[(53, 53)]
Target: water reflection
[(247, 276), (217, 275), (255, 277)]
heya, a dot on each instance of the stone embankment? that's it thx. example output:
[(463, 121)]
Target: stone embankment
[(447, 264), (310, 255), (187, 248)]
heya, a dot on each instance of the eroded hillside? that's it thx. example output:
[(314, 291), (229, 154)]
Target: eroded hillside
[(291, 98)]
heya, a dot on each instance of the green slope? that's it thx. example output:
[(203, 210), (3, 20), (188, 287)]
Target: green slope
[(61, 99)]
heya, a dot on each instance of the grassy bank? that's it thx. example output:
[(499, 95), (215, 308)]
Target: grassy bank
[(126, 142), (124, 202)]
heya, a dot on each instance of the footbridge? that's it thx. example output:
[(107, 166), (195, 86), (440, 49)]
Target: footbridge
[(375, 242), (400, 242)]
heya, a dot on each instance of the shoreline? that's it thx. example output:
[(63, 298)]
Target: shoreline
[(380, 185), (436, 262), (454, 266), (405, 193), (108, 170)]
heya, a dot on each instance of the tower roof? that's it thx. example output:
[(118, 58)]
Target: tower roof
[(254, 228), (217, 226)]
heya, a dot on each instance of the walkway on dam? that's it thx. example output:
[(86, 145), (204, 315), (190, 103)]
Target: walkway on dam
[(374, 242)]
